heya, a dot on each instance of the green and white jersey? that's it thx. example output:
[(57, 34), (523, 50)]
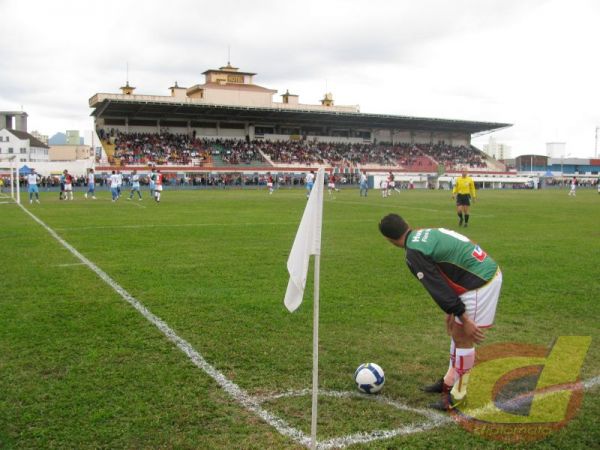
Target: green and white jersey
[(447, 264)]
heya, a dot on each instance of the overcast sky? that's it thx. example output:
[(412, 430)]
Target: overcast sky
[(532, 63)]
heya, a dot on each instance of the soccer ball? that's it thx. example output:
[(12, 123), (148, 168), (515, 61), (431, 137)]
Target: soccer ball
[(369, 378)]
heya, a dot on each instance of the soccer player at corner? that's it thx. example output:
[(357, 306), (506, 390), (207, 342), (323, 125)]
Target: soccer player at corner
[(464, 191), (465, 283)]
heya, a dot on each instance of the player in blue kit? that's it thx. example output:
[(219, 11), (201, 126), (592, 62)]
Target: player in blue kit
[(135, 185)]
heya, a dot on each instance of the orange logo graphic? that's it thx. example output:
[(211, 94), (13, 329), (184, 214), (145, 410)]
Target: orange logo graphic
[(521, 392)]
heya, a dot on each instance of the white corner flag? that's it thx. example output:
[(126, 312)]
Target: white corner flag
[(307, 242)]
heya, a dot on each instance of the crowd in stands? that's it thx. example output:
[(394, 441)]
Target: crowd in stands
[(180, 149), (421, 156), (163, 148), (449, 156), (235, 151)]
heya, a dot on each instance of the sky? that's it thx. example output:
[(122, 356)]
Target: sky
[(534, 64)]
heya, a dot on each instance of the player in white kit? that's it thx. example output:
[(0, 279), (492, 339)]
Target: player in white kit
[(32, 186), (114, 184), (91, 185), (135, 185), (573, 189)]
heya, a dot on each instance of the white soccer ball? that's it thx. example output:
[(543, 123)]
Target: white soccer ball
[(369, 378)]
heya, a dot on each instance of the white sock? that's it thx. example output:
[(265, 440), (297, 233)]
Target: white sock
[(450, 376), (463, 363)]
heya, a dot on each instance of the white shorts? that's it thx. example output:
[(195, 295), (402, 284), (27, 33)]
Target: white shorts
[(331, 185), (68, 187), (158, 187), (270, 185), (481, 303)]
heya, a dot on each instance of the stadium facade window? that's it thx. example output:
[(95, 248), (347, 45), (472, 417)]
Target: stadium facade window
[(23, 150), (264, 130), (173, 123), (114, 121), (10, 150), (232, 126), (204, 125), (143, 122), (289, 130)]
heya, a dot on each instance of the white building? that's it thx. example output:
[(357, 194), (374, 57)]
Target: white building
[(497, 150), (22, 144)]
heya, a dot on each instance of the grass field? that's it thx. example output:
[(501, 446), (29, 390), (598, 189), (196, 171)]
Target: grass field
[(81, 368)]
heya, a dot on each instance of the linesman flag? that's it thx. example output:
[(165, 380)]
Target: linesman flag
[(307, 242)]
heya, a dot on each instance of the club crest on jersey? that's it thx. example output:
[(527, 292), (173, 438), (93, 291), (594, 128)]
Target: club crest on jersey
[(479, 254)]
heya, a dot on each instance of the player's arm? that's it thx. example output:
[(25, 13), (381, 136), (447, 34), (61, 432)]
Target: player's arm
[(472, 188), (429, 275), (454, 189)]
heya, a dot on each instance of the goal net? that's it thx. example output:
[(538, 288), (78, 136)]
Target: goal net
[(9, 179)]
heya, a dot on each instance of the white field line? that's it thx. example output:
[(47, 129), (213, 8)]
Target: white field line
[(377, 435), (429, 413), (228, 386), (71, 264), (135, 203), (519, 400), (591, 383), (435, 419)]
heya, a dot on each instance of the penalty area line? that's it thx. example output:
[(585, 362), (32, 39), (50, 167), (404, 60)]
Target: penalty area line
[(237, 393)]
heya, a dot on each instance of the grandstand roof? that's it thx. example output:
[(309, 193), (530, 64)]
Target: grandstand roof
[(113, 106)]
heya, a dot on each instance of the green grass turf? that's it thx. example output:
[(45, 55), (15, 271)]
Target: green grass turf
[(80, 368)]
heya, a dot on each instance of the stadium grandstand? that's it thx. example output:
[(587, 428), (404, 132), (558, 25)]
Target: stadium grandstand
[(228, 123)]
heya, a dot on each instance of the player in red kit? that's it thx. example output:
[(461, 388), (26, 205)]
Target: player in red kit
[(158, 185)]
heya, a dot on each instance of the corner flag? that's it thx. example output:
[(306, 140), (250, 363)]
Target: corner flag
[(306, 243)]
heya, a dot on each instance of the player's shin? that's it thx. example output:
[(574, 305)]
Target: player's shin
[(463, 363), (450, 376)]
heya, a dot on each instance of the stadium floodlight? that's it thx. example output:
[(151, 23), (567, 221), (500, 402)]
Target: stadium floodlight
[(13, 169)]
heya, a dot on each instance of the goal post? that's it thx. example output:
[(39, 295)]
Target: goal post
[(9, 172)]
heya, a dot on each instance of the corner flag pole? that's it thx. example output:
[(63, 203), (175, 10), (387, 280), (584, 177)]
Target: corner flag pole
[(18, 182), (306, 243), (315, 377)]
